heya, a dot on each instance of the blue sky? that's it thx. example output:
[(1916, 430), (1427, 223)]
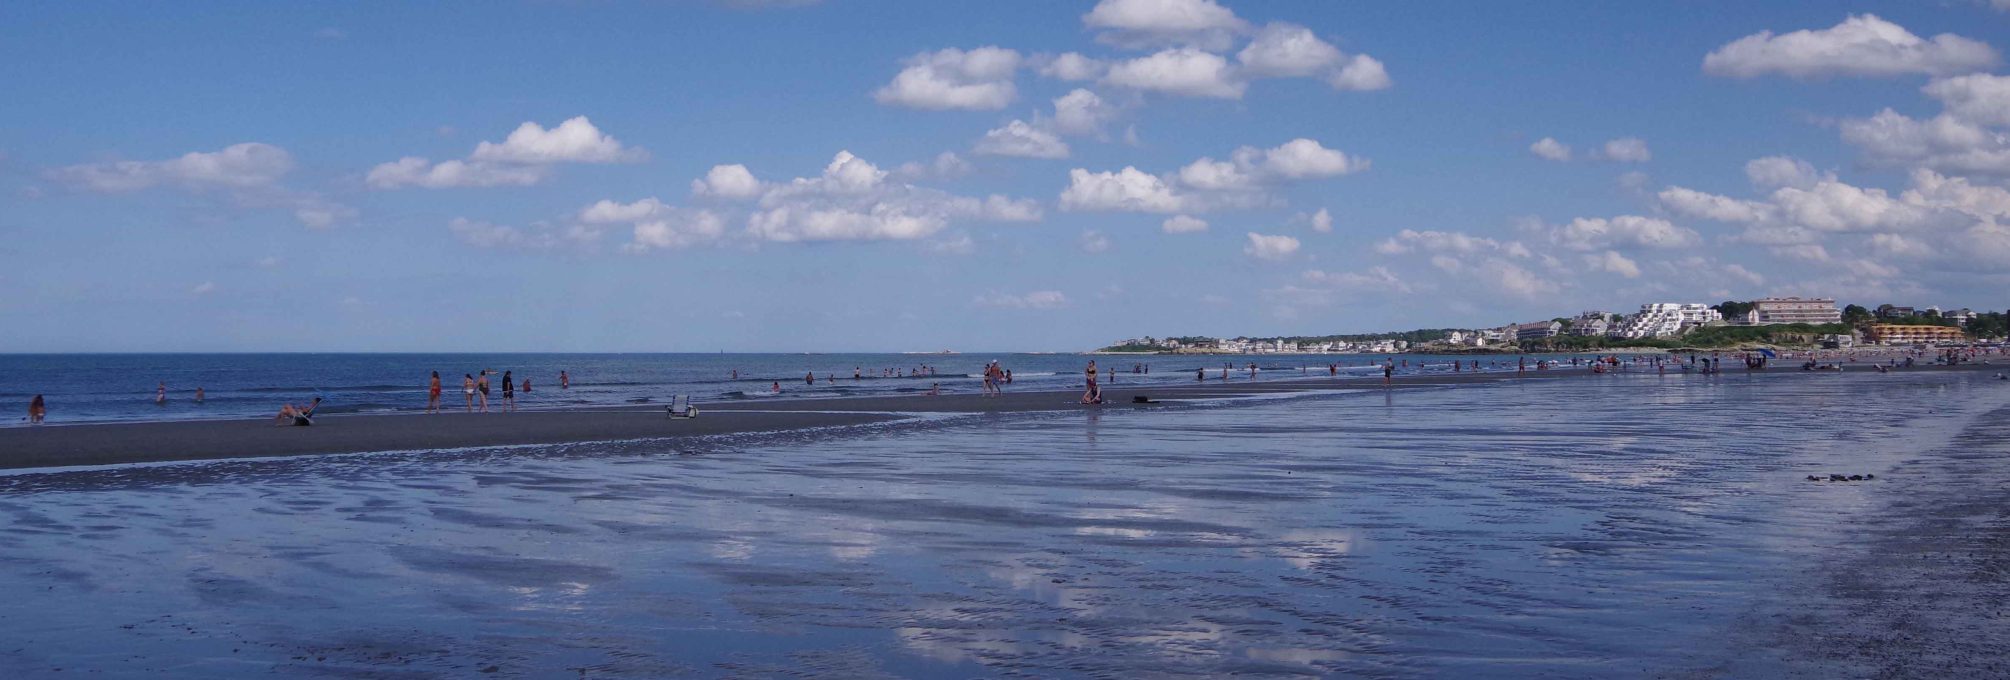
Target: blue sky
[(390, 177)]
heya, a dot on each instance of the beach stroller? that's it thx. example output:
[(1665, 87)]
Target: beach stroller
[(680, 407)]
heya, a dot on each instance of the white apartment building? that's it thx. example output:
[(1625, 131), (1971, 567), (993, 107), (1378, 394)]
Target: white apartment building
[(1768, 311), (1667, 320)]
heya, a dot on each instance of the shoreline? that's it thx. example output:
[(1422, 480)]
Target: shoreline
[(108, 443)]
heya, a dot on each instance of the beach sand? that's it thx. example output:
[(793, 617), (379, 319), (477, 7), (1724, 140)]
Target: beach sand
[(144, 442)]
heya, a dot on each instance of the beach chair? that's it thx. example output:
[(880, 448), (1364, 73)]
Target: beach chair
[(680, 407)]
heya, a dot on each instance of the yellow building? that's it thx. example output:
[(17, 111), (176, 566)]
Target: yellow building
[(1907, 334)]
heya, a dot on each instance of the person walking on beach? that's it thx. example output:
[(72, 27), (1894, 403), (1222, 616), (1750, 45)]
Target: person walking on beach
[(564, 381), (509, 392), (1092, 394), (37, 410), (433, 393), (468, 390), (482, 386), (1388, 373)]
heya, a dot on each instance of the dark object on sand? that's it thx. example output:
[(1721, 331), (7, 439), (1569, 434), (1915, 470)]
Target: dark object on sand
[(1842, 478), (1142, 399)]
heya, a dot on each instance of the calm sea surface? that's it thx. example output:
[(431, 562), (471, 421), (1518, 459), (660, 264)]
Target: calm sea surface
[(101, 387), (1603, 526)]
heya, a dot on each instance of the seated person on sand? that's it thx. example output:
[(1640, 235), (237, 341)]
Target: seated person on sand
[(296, 415)]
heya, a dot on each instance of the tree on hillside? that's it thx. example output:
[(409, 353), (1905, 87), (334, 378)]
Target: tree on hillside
[(1732, 309), (1857, 315)]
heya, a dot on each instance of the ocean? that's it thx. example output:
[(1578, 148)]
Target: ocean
[(1628, 525), (121, 387)]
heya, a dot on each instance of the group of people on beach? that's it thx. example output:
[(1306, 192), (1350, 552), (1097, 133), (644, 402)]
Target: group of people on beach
[(995, 379), (475, 389)]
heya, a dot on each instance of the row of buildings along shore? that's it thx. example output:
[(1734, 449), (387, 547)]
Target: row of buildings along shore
[(1659, 320)]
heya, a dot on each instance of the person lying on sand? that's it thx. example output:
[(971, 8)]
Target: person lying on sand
[(296, 415)]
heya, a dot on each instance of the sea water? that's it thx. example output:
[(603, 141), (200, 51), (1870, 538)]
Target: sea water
[(1598, 526), (108, 387)]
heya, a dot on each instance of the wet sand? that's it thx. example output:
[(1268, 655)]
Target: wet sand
[(114, 443)]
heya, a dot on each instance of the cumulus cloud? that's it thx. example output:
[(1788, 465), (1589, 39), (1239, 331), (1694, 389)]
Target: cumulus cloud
[(1322, 221), (945, 165), (730, 182), (1773, 172), (675, 230), (238, 166), (1862, 45), (1081, 112), (1021, 139), (1039, 299), (574, 141), (1626, 150), (1071, 66), (1613, 262), (1180, 71), (1207, 183), (1409, 240), (522, 159), (1361, 74), (1183, 224), (1980, 98), (1943, 142), (1268, 247), (1129, 189), (1287, 50), (1624, 231), (1550, 149), (1201, 24), (978, 79), (415, 171), (852, 200)]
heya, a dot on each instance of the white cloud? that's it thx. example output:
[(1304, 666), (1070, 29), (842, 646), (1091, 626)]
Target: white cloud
[(1183, 224), (1039, 299), (1408, 240), (1943, 142), (1093, 241), (1835, 206), (1514, 280), (1361, 74), (731, 182), (1613, 262), (1207, 183), (610, 212), (484, 234), (979, 79), (1322, 221), (1549, 148), (677, 230), (1624, 231), (1626, 150), (414, 171), (1181, 71), (1143, 23), (1302, 158), (852, 200), (1862, 45), (1375, 279), (1773, 172), (945, 165), (1018, 138), (1979, 98), (1128, 190), (574, 141), (319, 214), (1081, 112), (1692, 203), (1071, 66), (1284, 50), (1267, 247), (238, 166)]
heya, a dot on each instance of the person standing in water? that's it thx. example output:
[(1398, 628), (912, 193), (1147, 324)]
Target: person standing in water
[(198, 395), (1093, 393), (161, 394), (509, 392), (37, 410), (778, 387), (482, 386), (564, 381), (468, 389), (433, 393)]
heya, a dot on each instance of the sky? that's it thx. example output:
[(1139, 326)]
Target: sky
[(860, 175)]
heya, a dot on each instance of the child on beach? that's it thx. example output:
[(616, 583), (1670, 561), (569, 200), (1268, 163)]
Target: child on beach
[(37, 410)]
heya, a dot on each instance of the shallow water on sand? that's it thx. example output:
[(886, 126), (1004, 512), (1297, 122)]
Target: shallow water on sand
[(1594, 527)]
